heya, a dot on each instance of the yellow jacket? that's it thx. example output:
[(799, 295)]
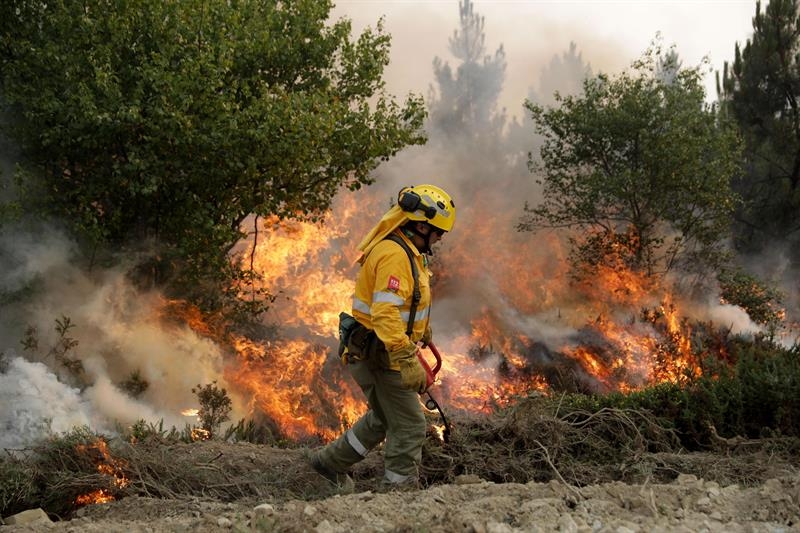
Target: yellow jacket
[(384, 289)]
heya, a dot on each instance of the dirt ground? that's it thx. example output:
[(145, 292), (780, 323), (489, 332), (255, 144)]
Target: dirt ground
[(689, 504), (468, 504)]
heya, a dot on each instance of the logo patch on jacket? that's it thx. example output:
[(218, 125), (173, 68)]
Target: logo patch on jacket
[(394, 283)]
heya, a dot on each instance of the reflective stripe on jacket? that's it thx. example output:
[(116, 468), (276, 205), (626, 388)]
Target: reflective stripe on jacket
[(384, 288)]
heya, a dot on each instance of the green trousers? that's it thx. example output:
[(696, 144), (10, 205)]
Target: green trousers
[(395, 414)]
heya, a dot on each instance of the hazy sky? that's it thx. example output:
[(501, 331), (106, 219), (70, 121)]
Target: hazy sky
[(608, 34)]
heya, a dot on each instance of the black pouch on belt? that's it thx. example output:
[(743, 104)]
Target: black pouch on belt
[(346, 326), (378, 356)]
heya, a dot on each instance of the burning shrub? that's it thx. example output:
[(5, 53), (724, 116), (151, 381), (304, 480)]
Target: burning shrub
[(62, 473), (753, 393), (640, 162), (604, 249), (752, 397)]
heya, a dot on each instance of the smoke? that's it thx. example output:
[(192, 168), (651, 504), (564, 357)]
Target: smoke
[(485, 267), (610, 35), (479, 268), (34, 403), (117, 330), (775, 266)]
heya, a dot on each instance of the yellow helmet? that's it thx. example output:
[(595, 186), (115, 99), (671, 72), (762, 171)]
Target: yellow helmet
[(428, 203)]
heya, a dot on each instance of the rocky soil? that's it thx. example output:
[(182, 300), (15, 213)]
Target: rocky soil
[(469, 505), (213, 485)]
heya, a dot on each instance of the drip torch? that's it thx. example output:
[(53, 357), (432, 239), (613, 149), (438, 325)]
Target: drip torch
[(430, 373)]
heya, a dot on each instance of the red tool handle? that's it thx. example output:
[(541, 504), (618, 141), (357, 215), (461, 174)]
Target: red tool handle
[(438, 357), (430, 373)]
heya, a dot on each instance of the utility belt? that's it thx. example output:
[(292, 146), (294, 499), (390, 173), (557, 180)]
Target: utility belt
[(357, 343)]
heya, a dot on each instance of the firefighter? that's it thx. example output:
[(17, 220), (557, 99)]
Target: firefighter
[(378, 349)]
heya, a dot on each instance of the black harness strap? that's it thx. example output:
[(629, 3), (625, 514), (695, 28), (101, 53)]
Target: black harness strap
[(417, 295)]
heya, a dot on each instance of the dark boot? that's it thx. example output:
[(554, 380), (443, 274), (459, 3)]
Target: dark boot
[(409, 485), (339, 481)]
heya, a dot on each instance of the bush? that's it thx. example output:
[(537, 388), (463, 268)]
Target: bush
[(769, 386), (752, 391), (17, 485), (135, 385), (215, 407), (55, 473)]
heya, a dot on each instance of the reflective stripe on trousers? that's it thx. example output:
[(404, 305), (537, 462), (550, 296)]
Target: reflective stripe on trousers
[(353, 441), (395, 414), (393, 477)]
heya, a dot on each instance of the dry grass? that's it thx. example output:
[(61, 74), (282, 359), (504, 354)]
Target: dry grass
[(531, 441)]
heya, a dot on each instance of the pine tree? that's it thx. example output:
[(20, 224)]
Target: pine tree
[(760, 92), (466, 104), (564, 75)]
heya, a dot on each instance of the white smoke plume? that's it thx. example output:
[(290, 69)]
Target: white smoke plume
[(34, 404), (118, 332)]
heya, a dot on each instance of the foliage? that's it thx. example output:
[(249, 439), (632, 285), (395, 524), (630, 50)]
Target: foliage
[(640, 164), (135, 384), (174, 121), (761, 301), (247, 430), (150, 432), (61, 351), (17, 485), (768, 380), (141, 430), (9, 212), (760, 91), (10, 209), (215, 406)]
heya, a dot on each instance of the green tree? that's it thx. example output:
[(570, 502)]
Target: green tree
[(640, 165), (761, 92), (172, 121)]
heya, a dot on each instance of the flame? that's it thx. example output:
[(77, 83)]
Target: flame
[(285, 381), (518, 324), (200, 434), (106, 465), (97, 496)]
